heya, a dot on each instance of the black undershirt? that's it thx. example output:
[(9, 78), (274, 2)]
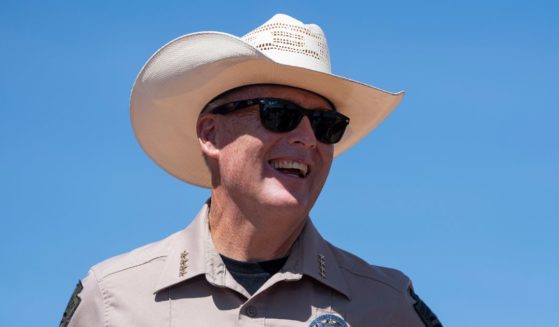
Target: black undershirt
[(252, 275)]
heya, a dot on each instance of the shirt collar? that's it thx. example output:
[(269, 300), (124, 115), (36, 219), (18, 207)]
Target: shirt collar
[(187, 253), (192, 253), (312, 256)]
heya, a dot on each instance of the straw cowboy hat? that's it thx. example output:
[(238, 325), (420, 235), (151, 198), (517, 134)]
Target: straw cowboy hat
[(179, 80)]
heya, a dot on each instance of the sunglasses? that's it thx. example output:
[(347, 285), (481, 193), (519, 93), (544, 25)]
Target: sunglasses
[(282, 116)]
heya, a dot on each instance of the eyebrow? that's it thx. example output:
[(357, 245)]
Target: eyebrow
[(236, 89)]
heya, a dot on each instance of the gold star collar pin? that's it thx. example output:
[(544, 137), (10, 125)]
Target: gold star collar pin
[(183, 263), (322, 265)]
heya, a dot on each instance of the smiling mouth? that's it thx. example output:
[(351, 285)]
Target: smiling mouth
[(291, 167)]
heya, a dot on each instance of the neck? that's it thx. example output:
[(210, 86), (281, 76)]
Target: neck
[(248, 233)]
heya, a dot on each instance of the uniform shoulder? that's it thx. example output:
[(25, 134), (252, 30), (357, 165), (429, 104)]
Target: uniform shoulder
[(359, 268), (137, 257)]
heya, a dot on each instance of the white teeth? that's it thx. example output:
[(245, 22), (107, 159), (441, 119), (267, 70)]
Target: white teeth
[(290, 164)]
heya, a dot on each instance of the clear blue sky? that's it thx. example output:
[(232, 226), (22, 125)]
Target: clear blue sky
[(459, 188)]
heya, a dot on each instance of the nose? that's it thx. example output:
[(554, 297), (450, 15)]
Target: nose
[(303, 134)]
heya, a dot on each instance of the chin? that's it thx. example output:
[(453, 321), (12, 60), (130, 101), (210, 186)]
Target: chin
[(280, 197)]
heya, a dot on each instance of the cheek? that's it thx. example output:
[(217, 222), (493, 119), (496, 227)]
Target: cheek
[(232, 127), (226, 134), (241, 165), (327, 154), (243, 154)]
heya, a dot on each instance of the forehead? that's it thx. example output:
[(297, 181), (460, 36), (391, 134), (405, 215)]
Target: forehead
[(304, 98)]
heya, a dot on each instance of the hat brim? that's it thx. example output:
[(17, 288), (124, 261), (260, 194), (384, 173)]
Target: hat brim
[(179, 80)]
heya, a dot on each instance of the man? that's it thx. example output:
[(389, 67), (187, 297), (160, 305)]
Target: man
[(257, 119)]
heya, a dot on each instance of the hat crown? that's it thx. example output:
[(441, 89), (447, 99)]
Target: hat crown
[(288, 41)]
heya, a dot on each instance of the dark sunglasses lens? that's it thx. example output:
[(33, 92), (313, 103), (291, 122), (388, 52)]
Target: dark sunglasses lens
[(328, 126), (279, 116)]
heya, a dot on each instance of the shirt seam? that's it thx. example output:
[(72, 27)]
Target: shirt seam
[(104, 297), (395, 315), (170, 306), (373, 278), (132, 266)]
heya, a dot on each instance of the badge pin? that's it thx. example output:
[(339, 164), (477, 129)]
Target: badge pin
[(328, 320)]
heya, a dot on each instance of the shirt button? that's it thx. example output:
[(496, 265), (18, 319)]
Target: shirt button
[(251, 311)]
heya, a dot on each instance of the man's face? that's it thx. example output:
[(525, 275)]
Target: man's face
[(266, 169)]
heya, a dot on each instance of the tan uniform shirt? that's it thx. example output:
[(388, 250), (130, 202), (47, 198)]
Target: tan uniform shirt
[(182, 281)]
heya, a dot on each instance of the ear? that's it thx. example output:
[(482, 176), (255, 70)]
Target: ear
[(206, 130)]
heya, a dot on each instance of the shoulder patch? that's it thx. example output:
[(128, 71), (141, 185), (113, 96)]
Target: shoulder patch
[(72, 305), (426, 315)]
